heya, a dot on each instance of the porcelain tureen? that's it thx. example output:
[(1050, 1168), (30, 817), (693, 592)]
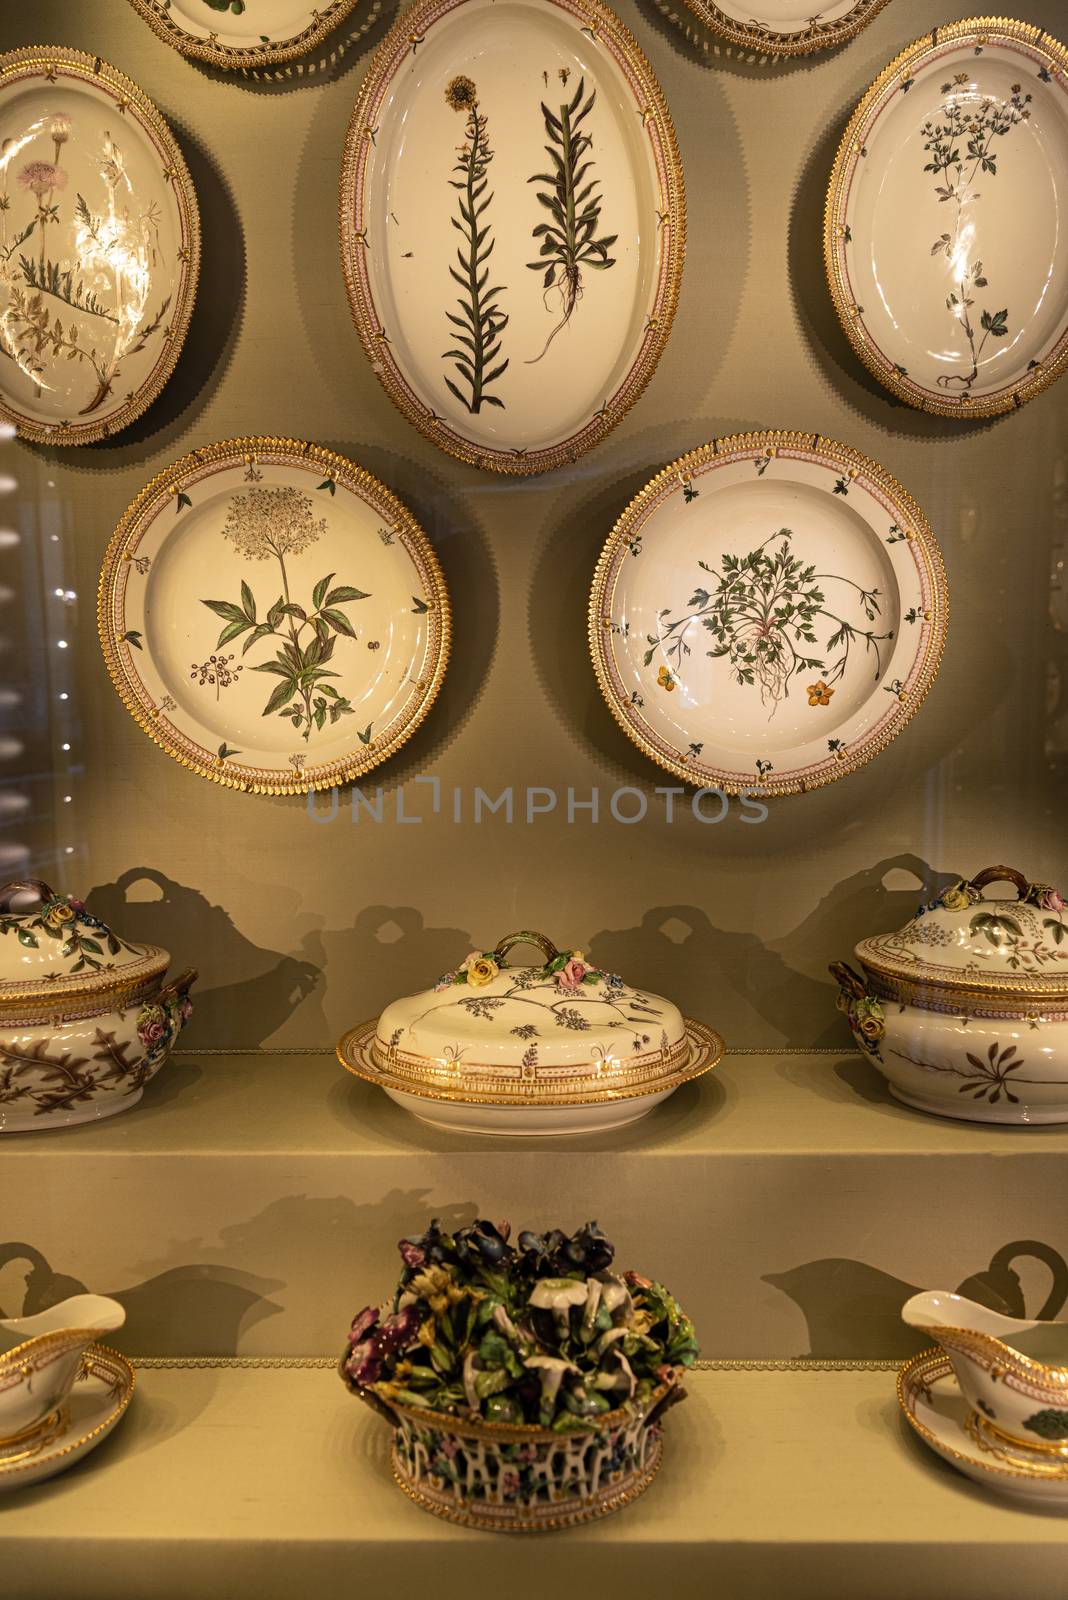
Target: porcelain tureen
[(965, 1009), (557, 1048), (86, 1018)]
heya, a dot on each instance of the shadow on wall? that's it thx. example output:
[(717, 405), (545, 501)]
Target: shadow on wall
[(194, 1302), (780, 989), (853, 1309), (759, 992), (197, 1309), (263, 987)]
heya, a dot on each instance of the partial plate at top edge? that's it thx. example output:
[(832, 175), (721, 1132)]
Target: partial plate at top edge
[(945, 236), (272, 616), (785, 27), (768, 613), (243, 33)]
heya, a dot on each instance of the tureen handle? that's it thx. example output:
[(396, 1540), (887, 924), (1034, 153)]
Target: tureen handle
[(849, 981), (24, 886), (1001, 875), (546, 946)]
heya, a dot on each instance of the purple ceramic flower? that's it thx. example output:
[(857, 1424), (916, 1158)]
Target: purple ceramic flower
[(1050, 900), (412, 1254), (362, 1324), (153, 1027), (364, 1366)]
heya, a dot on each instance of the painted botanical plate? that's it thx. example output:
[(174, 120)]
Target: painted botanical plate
[(98, 1402), (785, 27), (243, 33), (512, 225), (99, 247), (945, 232), (272, 616), (933, 1406), (768, 613)]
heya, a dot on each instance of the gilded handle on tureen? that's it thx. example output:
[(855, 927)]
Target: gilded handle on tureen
[(850, 982), (178, 988), (546, 946), (24, 886), (1001, 875)]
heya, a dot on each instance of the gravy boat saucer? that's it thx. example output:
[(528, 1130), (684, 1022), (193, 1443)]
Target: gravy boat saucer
[(935, 1408), (95, 1405)]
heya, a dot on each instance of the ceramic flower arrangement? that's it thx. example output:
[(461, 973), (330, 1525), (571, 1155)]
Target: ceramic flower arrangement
[(569, 969), (524, 1382)]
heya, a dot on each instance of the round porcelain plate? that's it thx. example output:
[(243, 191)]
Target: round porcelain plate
[(786, 27), (946, 237), (523, 1115), (99, 247), (512, 224), (768, 613), (97, 1403), (273, 616), (238, 33), (934, 1407)]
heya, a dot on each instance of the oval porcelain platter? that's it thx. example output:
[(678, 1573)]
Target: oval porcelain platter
[(785, 27), (272, 616), (945, 233), (243, 33), (99, 247), (512, 225), (768, 613)]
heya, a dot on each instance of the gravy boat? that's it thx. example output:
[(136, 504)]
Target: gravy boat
[(40, 1358), (1011, 1371)]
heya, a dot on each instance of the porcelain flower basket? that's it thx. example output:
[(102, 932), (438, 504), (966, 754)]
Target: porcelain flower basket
[(86, 1018), (522, 1479), (965, 1010), (557, 1048)]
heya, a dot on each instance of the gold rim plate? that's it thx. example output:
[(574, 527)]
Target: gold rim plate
[(127, 218), (196, 637), (759, 36), (530, 420), (1043, 62), (223, 45), (672, 590)]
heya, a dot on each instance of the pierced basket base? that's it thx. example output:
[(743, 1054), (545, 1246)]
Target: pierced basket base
[(530, 1519)]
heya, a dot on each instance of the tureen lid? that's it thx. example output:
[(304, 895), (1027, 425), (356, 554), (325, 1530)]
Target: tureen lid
[(976, 943), (50, 944), (556, 1032)]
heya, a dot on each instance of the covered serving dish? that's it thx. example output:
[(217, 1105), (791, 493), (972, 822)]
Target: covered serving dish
[(557, 1048), (965, 1009), (86, 1018)]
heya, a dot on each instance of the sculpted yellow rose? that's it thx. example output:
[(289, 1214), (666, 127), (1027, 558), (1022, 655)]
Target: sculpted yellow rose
[(872, 1027), (956, 899), (57, 915), (481, 971)]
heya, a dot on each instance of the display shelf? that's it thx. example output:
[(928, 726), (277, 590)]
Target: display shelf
[(275, 1482), (251, 1203)]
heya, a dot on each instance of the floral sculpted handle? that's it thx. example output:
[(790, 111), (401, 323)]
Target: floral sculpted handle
[(1001, 875), (25, 886), (510, 940)]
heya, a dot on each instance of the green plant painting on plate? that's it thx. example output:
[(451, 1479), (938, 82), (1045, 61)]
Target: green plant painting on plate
[(276, 524)]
